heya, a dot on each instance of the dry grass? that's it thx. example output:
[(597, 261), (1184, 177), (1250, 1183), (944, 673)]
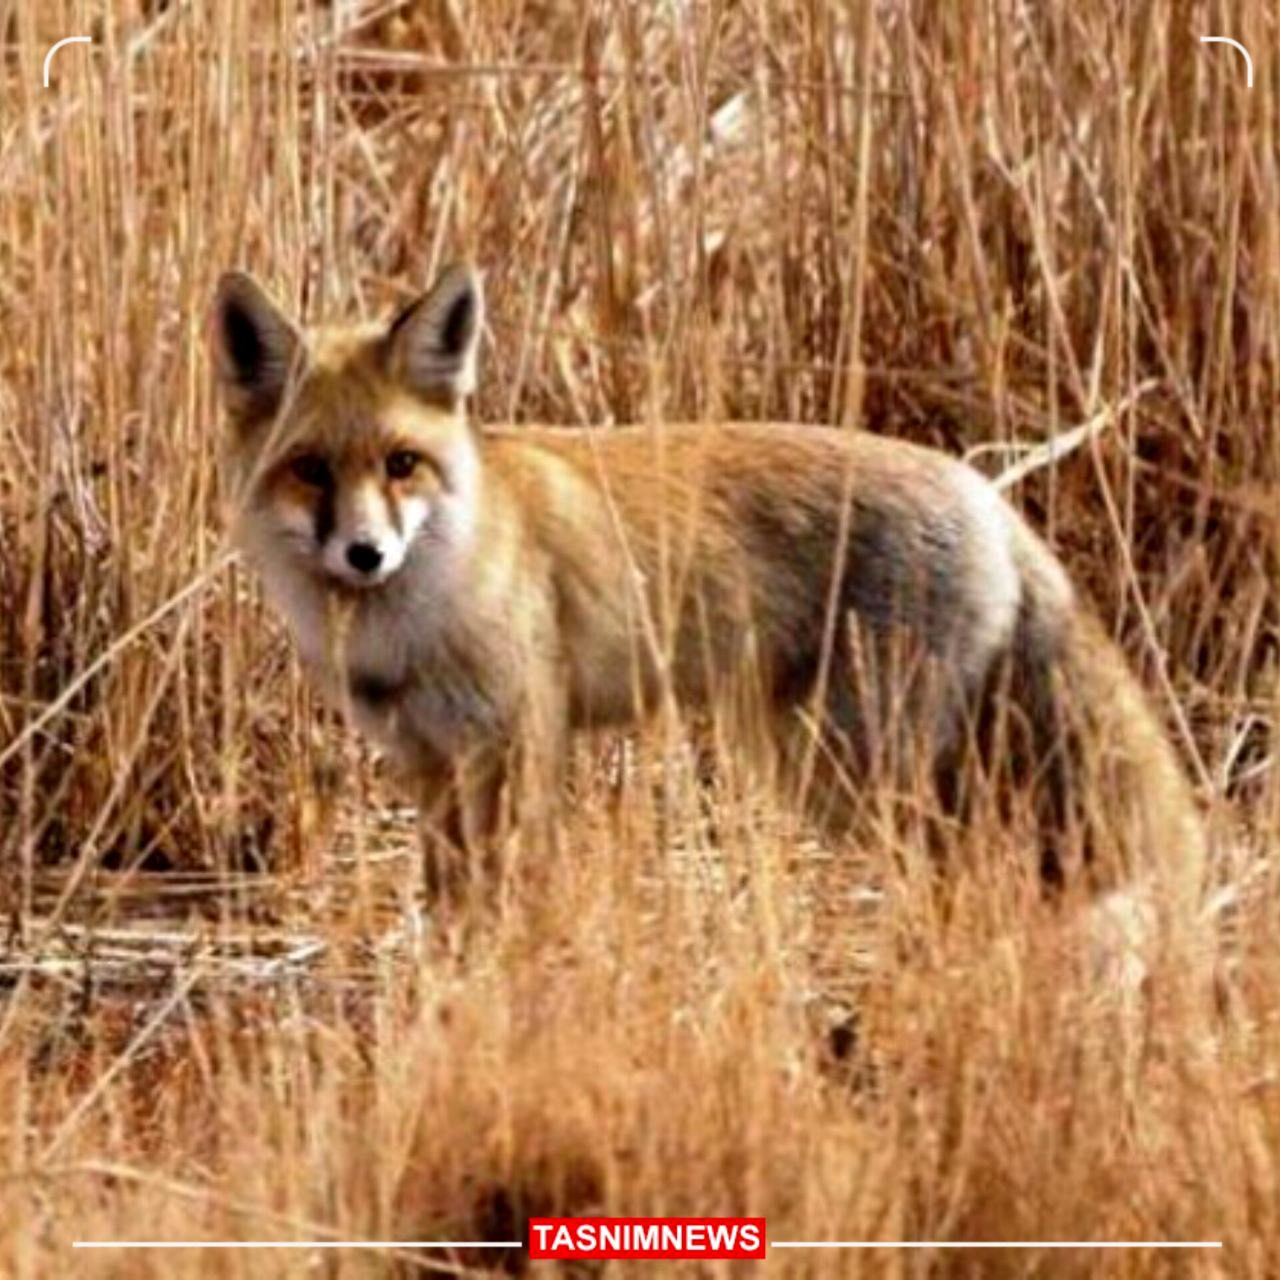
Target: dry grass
[(976, 225)]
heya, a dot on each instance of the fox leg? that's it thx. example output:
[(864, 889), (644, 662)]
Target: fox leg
[(460, 807), (469, 805), (885, 719), (539, 763)]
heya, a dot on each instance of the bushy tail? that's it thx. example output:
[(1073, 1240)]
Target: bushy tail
[(1108, 781)]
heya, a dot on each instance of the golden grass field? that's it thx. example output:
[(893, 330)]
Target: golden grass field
[(224, 1013)]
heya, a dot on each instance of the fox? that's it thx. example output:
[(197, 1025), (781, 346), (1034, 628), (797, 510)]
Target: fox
[(478, 596)]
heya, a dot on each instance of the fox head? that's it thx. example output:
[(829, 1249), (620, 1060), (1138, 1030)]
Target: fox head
[(350, 450)]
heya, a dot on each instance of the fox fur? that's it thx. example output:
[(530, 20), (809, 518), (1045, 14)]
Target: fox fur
[(477, 595)]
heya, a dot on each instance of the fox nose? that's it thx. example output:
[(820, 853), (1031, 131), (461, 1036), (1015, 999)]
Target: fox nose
[(363, 557)]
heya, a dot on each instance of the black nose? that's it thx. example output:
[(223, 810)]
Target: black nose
[(364, 557)]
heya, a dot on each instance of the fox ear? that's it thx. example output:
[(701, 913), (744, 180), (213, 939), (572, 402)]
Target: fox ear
[(255, 347), (431, 345)]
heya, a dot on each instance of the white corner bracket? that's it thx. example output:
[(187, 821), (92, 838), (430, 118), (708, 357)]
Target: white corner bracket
[(1235, 44), (48, 57)]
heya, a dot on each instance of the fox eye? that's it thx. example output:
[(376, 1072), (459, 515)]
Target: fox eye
[(402, 464), (311, 470)]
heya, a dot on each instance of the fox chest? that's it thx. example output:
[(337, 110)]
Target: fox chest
[(419, 712), (426, 696), (409, 688), (418, 723)]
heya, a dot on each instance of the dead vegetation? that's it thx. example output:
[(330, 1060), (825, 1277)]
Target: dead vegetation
[(981, 226)]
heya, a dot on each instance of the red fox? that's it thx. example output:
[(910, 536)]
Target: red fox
[(476, 595)]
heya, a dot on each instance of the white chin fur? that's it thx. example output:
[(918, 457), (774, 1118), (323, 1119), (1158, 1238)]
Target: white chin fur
[(360, 581)]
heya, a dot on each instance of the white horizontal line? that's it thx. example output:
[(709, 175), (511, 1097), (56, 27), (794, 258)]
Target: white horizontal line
[(995, 1244), (773, 1244), (297, 1244)]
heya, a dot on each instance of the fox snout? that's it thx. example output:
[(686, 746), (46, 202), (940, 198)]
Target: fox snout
[(368, 538), (362, 562)]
